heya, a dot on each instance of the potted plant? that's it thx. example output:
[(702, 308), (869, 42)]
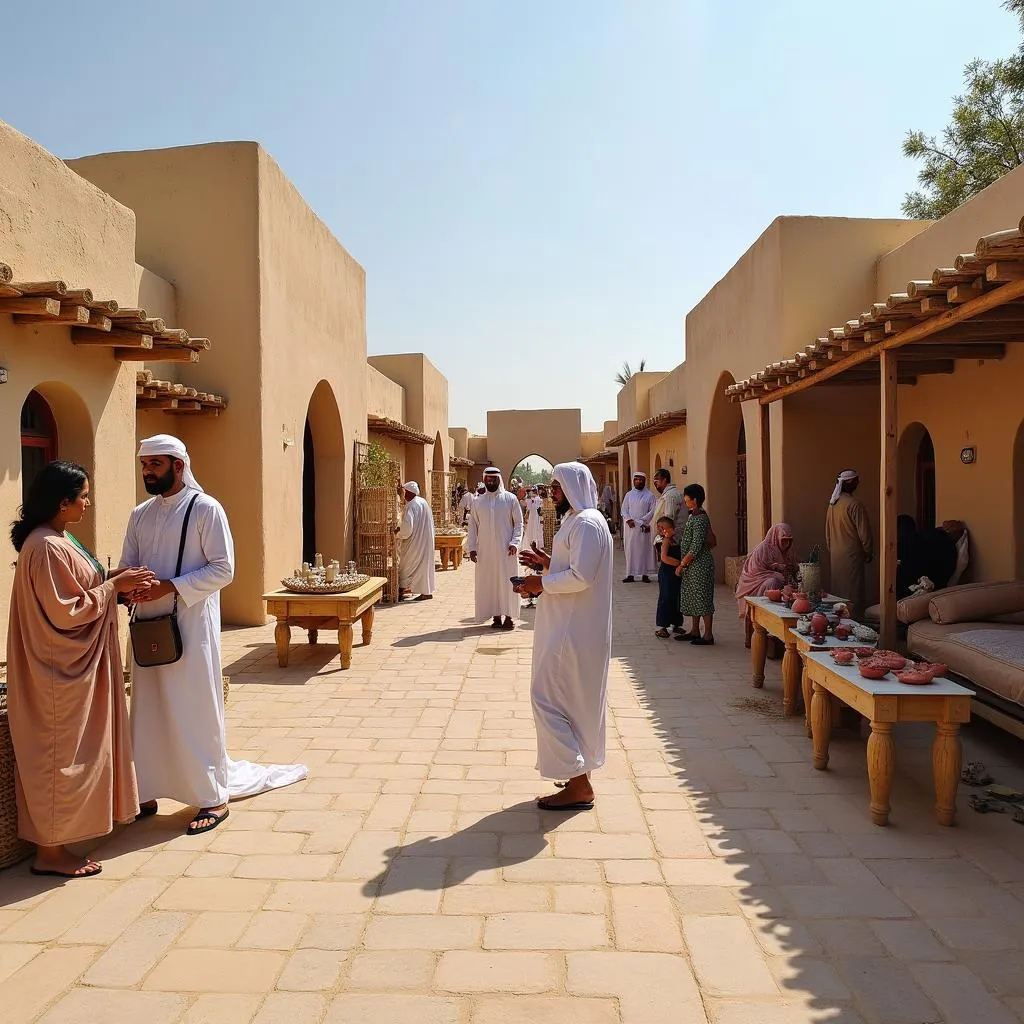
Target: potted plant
[(810, 572)]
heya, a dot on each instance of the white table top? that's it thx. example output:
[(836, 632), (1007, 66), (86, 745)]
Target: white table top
[(830, 641), (780, 609), (890, 686)]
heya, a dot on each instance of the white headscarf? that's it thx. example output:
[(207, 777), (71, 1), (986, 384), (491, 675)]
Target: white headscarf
[(494, 471), (577, 483), (845, 477), (412, 487), (168, 444)]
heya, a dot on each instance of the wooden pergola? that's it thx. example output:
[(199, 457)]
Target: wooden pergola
[(399, 431), (133, 335), (970, 310), (649, 428), (604, 455), (457, 462), (173, 398)]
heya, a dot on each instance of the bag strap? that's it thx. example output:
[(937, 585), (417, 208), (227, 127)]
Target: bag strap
[(181, 548)]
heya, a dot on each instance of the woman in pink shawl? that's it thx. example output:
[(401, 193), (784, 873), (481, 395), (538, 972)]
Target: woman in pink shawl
[(766, 566)]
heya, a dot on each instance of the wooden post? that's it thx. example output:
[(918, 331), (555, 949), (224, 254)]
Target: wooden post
[(766, 469), (887, 504)]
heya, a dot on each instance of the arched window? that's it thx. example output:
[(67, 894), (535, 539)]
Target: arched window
[(38, 438)]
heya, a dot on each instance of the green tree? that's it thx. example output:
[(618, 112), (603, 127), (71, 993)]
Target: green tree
[(622, 377), (984, 139)]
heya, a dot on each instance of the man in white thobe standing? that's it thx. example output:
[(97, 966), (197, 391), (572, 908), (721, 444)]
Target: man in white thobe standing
[(495, 537), (637, 513), (465, 504), (416, 536), (177, 710), (572, 641)]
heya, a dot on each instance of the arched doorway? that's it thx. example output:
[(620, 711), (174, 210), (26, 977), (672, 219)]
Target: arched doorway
[(533, 469), (1018, 500), (324, 514), (38, 438), (916, 462), (726, 483)]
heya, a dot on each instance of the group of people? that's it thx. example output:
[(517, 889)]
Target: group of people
[(671, 534), (82, 762)]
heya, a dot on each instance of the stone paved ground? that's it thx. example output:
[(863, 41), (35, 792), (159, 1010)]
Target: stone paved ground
[(411, 880)]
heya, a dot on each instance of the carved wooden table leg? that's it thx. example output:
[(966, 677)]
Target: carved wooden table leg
[(808, 691), (458, 557), (821, 725), (366, 619), (790, 679), (758, 654), (312, 633), (444, 559), (345, 644), (947, 752), (748, 629), (881, 768), (282, 637)]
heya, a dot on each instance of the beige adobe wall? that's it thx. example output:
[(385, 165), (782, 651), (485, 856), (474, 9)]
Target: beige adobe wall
[(460, 442), (198, 228), (633, 404), (669, 393), (591, 441), (55, 225), (512, 434), (669, 451), (158, 297), (384, 396), (610, 429)]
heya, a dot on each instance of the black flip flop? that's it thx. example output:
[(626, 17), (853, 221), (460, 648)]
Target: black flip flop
[(686, 638), (580, 805), (206, 816), (699, 641), (424, 597), (64, 874)]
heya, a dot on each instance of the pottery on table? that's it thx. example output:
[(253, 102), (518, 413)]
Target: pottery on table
[(819, 624), (872, 670), (937, 668), (842, 656), (842, 632), (801, 604), (864, 652), (915, 677), (773, 595)]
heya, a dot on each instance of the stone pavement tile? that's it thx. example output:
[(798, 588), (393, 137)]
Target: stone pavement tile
[(751, 1011), (726, 957), (848, 938), (976, 934), (222, 1008), (554, 870), (131, 957), (960, 995), (110, 1006), (61, 910), (26, 992), (245, 820), (413, 885), (677, 834), (774, 840), (290, 1008), (280, 866), (798, 820), (477, 971), (911, 941), (495, 899), (580, 899), (215, 929), (368, 855), (263, 842), (706, 899), (385, 1009), (886, 992), (423, 931), (107, 920), (844, 901), (167, 864), (215, 970), (273, 929), (822, 844), (645, 920), (633, 872), (311, 970), (545, 1010), (782, 938), (333, 931), (319, 897), (711, 871), (388, 969), (583, 845), (540, 931), (213, 894), (649, 986), (14, 956), (806, 977)]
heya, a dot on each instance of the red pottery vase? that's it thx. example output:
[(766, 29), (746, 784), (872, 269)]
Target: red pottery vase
[(819, 624), (801, 604)]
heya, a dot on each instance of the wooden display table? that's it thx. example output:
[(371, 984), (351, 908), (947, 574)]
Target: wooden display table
[(771, 618), (885, 702), (451, 550), (314, 612), (804, 643)]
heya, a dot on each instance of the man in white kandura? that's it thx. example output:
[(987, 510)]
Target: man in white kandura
[(572, 641), (177, 710), (465, 504), (534, 524), (416, 537), (495, 537), (637, 513)]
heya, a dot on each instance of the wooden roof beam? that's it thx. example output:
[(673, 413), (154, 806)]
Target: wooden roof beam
[(111, 338), (1000, 273), (66, 314), (31, 306)]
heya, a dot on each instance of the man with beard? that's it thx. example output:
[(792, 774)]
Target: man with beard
[(572, 641), (670, 504), (637, 513), (416, 553), (495, 537), (177, 712)]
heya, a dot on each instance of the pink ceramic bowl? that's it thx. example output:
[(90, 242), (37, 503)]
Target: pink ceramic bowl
[(842, 657), (872, 670), (915, 677), (773, 595)]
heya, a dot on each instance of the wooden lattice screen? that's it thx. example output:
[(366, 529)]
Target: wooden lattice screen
[(377, 477), (442, 484)]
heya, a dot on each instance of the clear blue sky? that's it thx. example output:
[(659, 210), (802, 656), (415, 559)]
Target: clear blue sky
[(538, 189)]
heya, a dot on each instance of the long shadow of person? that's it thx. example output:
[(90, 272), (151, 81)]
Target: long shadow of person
[(507, 837)]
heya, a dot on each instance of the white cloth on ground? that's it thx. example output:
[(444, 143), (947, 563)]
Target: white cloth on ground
[(495, 525), (534, 524), (416, 555), (638, 506), (177, 711), (572, 638)]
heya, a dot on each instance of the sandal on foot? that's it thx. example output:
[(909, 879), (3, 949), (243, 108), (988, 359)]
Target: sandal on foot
[(579, 805), (986, 805), (687, 638), (202, 816), (662, 633), (87, 870), (974, 773), (699, 641)]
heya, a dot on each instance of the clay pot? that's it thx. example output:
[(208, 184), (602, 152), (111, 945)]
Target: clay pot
[(842, 632), (787, 592), (801, 605), (842, 656), (773, 595), (872, 670), (819, 624), (914, 677), (936, 668)]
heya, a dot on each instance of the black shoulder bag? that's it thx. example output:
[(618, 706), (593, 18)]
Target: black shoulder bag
[(158, 641)]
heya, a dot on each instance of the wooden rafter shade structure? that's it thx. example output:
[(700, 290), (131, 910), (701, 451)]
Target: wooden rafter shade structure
[(970, 310), (131, 333), (457, 462), (173, 398), (649, 428), (604, 455), (399, 431)]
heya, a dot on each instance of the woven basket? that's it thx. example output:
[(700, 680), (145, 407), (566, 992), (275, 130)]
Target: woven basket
[(296, 586), (12, 849)]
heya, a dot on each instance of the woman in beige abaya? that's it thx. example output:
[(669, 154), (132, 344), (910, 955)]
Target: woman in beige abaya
[(65, 689)]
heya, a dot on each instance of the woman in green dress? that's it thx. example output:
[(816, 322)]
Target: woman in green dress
[(697, 570)]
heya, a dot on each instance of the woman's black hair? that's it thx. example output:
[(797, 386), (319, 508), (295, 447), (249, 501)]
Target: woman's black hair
[(696, 492), (54, 484)]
